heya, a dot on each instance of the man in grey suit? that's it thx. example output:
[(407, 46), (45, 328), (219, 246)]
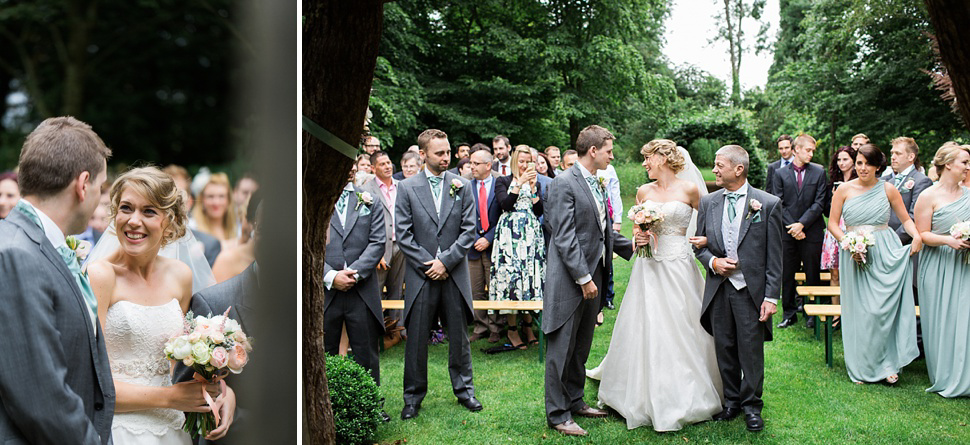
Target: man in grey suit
[(435, 217), (390, 270), (802, 187), (55, 380), (907, 178), (785, 159), (351, 295), (743, 257), (581, 252)]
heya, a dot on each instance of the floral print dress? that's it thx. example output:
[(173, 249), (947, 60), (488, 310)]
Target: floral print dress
[(518, 255)]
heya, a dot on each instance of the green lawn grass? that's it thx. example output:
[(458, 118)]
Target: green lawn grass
[(805, 402)]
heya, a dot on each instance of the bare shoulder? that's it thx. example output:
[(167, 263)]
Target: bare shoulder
[(101, 273), (174, 269)]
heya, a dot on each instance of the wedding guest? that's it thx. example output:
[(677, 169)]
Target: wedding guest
[(500, 149), (210, 245), (363, 163), (9, 193), (802, 187), (464, 168), (462, 151), (487, 211), (390, 270), (785, 159), (410, 165), (945, 274), (371, 144), (614, 205), (518, 256), (552, 152), (544, 167), (878, 312), (245, 186), (216, 213), (568, 159), (235, 259), (966, 179), (859, 140), (99, 219), (841, 170), (480, 146)]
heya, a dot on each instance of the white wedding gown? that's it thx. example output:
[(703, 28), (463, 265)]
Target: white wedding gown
[(660, 369), (135, 336)]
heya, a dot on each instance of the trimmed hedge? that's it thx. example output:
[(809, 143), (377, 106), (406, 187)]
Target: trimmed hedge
[(355, 400)]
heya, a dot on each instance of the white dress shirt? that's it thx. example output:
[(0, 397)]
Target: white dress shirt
[(601, 207)]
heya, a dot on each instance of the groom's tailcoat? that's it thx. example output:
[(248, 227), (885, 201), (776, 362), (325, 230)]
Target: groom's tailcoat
[(55, 380), (759, 249), (358, 243), (578, 248), (423, 234)]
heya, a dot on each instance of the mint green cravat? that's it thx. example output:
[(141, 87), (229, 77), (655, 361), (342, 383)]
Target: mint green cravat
[(342, 201), (597, 190), (732, 200), (435, 186)]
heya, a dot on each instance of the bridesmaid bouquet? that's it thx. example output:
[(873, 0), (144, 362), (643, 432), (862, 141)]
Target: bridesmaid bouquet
[(645, 216), (857, 243), (213, 347), (961, 231)]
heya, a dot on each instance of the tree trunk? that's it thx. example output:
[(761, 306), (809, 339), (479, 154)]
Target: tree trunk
[(81, 17), (734, 48), (573, 132), (340, 42), (949, 19)]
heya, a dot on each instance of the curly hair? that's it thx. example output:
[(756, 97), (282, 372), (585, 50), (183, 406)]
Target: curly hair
[(667, 149), (159, 189), (835, 174)]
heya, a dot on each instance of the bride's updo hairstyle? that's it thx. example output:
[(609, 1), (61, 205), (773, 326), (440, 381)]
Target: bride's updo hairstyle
[(945, 155), (668, 149), (159, 189)]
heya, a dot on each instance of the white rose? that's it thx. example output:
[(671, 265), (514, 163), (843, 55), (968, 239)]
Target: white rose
[(200, 353), (181, 348)]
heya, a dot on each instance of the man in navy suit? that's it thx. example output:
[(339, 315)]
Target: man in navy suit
[(487, 212), (802, 187), (785, 159)]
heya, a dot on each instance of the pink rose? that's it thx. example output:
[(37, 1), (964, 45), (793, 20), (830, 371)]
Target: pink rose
[(220, 357), (755, 205), (238, 357), (457, 184), (860, 248), (909, 184), (195, 336)]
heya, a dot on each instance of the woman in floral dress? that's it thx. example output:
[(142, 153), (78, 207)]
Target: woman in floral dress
[(518, 256)]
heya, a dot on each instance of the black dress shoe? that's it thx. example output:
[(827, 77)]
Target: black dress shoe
[(727, 414), (409, 412), (754, 421), (472, 404), (384, 417), (609, 305), (788, 322), (810, 323)]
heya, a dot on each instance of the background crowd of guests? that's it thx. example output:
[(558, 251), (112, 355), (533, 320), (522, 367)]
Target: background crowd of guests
[(219, 215)]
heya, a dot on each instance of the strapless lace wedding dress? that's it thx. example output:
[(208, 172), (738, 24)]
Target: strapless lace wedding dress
[(135, 336), (660, 369)]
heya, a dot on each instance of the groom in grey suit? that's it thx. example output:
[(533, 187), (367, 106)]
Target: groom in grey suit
[(581, 251), (435, 215), (55, 381), (743, 256)]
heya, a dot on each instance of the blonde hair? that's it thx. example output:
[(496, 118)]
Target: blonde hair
[(159, 189), (802, 139), (228, 220), (947, 154), (519, 149), (860, 135), (668, 149)]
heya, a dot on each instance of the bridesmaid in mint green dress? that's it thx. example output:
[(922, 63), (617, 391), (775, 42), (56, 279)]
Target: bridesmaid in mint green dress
[(944, 276), (878, 313)]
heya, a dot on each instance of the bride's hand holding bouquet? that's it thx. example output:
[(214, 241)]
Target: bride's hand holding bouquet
[(644, 216)]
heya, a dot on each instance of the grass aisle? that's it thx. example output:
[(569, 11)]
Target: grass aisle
[(805, 402)]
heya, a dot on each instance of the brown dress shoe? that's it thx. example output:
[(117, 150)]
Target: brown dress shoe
[(494, 337), (570, 428), (587, 411)]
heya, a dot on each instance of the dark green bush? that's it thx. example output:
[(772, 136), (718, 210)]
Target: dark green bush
[(355, 400)]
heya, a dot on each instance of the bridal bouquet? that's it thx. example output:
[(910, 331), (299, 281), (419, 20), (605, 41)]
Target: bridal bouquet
[(961, 231), (213, 347), (857, 243), (645, 216)]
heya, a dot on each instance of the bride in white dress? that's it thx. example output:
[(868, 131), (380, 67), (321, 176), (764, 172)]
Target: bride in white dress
[(660, 369), (142, 300)]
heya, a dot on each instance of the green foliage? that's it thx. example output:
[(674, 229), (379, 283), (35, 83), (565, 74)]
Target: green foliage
[(702, 150), (354, 398), (757, 167)]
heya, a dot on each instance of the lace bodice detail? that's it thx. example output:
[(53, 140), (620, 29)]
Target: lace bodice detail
[(134, 336), (672, 231)]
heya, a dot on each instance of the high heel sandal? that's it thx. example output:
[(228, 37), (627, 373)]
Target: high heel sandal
[(528, 325), (522, 345)]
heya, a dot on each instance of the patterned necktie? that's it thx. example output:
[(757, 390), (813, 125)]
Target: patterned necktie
[(70, 259), (732, 201), (597, 191), (342, 201), (435, 186), (898, 179), (483, 205)]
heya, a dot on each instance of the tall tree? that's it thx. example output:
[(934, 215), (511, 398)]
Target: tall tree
[(949, 19), (340, 42), (731, 29)]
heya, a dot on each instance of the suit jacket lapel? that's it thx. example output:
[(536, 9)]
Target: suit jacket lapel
[(352, 214), (423, 191), (586, 190), (745, 221), (716, 215), (335, 222), (447, 201)]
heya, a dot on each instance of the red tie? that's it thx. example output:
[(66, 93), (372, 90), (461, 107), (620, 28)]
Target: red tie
[(799, 173), (483, 206), (503, 170)]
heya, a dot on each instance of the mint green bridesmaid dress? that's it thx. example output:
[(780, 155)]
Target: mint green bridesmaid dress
[(944, 293), (878, 313)]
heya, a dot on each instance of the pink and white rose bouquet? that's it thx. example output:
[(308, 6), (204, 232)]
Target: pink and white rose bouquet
[(213, 347), (645, 215), (961, 231), (857, 244)]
